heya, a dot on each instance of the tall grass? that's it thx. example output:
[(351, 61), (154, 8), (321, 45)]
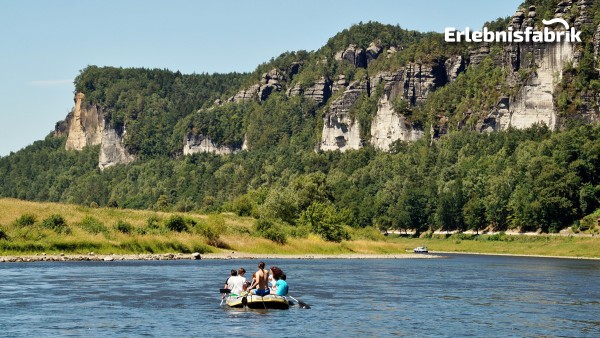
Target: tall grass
[(33, 228)]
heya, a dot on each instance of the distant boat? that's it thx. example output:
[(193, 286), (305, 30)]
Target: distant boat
[(421, 249)]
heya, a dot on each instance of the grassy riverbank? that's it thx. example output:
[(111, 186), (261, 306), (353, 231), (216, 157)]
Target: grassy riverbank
[(29, 228)]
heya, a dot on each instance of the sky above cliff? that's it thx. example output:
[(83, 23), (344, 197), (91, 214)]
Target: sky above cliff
[(44, 44)]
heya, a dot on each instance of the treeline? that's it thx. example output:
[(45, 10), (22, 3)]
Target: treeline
[(527, 180)]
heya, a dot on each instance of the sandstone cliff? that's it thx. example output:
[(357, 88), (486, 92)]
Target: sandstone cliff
[(202, 144), (389, 126), (86, 126), (340, 130), (270, 82), (112, 151), (544, 64)]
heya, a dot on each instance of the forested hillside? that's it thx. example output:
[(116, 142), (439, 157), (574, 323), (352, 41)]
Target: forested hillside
[(267, 130)]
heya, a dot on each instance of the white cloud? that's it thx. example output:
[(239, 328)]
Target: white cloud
[(48, 83)]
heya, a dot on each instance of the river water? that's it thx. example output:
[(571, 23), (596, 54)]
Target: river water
[(462, 295)]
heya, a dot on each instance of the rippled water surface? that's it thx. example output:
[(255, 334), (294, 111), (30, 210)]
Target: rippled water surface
[(461, 295)]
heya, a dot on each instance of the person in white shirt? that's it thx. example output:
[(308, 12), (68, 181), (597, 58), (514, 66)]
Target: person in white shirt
[(236, 283)]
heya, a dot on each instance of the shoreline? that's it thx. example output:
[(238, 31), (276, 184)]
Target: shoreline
[(513, 255), (92, 257)]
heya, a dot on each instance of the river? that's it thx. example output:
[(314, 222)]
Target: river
[(462, 295)]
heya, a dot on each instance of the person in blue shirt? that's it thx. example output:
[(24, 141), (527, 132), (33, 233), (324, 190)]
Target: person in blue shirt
[(280, 287)]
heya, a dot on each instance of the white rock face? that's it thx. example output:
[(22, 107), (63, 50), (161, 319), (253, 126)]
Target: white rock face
[(85, 127), (112, 151), (202, 144), (388, 126), (534, 102), (339, 131)]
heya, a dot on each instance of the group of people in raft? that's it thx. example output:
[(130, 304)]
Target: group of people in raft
[(264, 282)]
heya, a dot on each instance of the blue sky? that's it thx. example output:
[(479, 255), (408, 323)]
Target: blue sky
[(44, 44)]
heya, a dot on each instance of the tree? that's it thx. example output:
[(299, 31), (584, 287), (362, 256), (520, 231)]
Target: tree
[(474, 214), (324, 220)]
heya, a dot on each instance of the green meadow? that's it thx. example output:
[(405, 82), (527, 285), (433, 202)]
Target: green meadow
[(30, 228)]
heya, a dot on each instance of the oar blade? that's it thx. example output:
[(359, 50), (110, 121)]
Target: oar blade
[(301, 304)]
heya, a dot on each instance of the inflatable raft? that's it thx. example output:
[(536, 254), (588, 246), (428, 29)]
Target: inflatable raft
[(259, 302)]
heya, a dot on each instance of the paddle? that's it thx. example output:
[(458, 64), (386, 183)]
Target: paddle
[(223, 293), (302, 304)]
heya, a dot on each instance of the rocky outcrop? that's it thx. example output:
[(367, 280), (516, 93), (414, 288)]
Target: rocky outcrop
[(270, 82), (412, 84), (247, 94), (373, 52), (201, 144), (340, 130), (353, 55), (340, 84), (389, 126), (454, 66), (85, 125), (534, 101), (99, 258), (319, 92), (544, 64), (112, 150), (415, 81), (359, 57), (597, 42)]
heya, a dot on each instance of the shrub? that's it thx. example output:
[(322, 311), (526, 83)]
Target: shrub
[(367, 233), (25, 220), (270, 230), (56, 223), (463, 236), (300, 231), (588, 222), (242, 205), (153, 222), (499, 237), (3, 235), (176, 223), (123, 227), (152, 227), (214, 227), (93, 226)]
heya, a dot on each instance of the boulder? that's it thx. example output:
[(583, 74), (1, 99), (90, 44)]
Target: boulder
[(373, 51)]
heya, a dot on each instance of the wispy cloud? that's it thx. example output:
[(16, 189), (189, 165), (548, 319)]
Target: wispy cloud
[(48, 83)]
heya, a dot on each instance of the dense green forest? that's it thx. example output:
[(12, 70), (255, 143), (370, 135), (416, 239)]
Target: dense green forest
[(528, 180)]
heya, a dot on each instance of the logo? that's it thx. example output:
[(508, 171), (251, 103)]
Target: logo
[(528, 35)]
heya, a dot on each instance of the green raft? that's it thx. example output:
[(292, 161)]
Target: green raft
[(259, 302)]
